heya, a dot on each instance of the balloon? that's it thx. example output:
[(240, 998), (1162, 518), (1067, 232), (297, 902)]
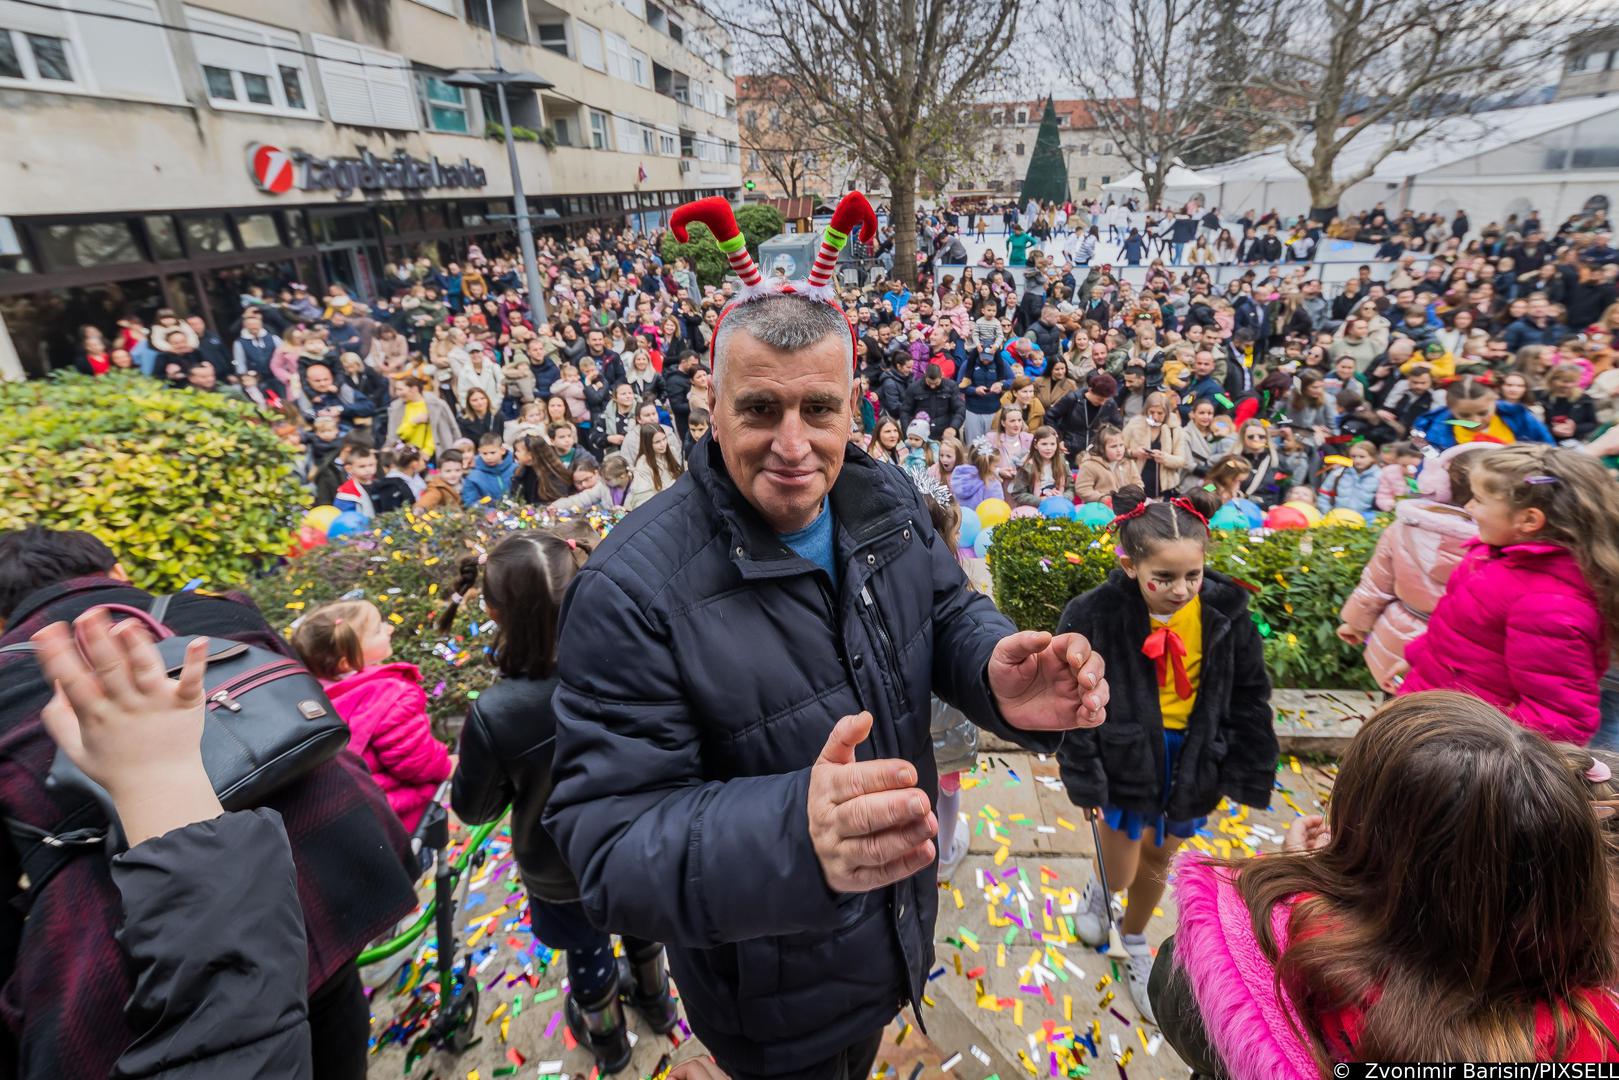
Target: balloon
[(1094, 515), (1251, 510), (310, 537), (1312, 516), (993, 511), (970, 527), (1286, 517), (1057, 506), (321, 517), (347, 524), (1229, 517), (1346, 517), (1024, 512), (985, 541)]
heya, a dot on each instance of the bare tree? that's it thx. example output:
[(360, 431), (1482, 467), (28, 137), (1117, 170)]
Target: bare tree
[(1145, 65), (890, 83), (1381, 75)]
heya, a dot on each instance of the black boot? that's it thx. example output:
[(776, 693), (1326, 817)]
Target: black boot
[(644, 983), (600, 1028)]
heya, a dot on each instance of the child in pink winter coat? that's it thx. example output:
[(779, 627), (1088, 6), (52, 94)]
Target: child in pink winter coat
[(345, 646), (1414, 559), (1528, 617), (1392, 481)]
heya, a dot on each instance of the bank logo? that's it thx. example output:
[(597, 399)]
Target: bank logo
[(271, 168)]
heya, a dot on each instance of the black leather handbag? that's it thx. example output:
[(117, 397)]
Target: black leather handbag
[(267, 722)]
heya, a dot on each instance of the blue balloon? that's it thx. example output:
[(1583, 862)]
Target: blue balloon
[(985, 541), (970, 527), (347, 524), (1250, 510), (1055, 506), (1229, 517), (1094, 514)]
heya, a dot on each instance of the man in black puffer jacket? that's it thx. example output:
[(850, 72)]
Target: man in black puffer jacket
[(744, 769)]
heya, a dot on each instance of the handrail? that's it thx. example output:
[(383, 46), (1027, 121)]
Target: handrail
[(411, 934)]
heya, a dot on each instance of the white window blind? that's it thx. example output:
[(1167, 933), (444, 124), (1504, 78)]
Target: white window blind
[(364, 86), (590, 46), (54, 48), (628, 136), (619, 65), (251, 66)]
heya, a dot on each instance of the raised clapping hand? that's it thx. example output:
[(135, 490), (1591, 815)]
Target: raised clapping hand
[(868, 821), (131, 728), (1046, 683)]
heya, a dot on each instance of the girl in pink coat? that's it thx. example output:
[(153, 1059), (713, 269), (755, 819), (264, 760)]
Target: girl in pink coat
[(1414, 559), (1528, 617), (345, 645)]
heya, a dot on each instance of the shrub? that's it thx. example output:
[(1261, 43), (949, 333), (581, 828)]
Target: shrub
[(407, 566), (1301, 579), (182, 485), (758, 224)]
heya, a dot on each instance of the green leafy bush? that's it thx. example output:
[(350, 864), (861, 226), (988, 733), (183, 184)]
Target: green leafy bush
[(544, 136), (758, 224), (408, 566), (182, 485), (1302, 578)]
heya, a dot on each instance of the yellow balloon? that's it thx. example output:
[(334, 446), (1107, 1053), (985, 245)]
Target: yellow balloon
[(1342, 516), (321, 517), (993, 512), (1312, 516)]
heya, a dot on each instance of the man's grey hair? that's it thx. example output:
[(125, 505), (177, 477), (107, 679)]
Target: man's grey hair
[(785, 322)]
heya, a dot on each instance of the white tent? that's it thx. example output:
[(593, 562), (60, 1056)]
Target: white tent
[(1552, 158), (1179, 179)]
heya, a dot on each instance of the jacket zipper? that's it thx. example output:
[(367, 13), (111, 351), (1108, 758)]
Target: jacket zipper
[(225, 693), (891, 653)]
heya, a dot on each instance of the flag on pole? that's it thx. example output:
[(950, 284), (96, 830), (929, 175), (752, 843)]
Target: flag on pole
[(640, 174)]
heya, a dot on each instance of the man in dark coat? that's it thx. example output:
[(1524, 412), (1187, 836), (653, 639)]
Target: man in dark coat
[(66, 982), (755, 789), (1077, 415), (940, 398)]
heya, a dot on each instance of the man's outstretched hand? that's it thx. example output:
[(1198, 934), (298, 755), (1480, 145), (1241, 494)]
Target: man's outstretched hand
[(1046, 683), (869, 822)]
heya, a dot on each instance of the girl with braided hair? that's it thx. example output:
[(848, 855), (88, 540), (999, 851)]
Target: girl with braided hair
[(1190, 721)]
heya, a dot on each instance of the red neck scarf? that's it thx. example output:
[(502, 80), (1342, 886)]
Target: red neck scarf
[(1165, 648)]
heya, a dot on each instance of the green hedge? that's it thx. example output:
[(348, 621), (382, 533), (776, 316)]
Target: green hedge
[(1302, 577), (758, 224), (181, 484), (407, 565)]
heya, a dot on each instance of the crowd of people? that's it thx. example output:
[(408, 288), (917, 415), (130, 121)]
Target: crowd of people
[(778, 826)]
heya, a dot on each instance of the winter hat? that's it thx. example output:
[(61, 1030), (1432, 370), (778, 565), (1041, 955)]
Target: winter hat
[(919, 427)]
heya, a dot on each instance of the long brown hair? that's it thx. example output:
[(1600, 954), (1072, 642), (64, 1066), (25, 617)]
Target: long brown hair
[(1580, 502), (523, 580), (552, 479), (665, 467), (1464, 887)]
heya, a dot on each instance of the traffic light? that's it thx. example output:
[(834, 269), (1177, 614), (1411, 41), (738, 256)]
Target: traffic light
[(749, 184)]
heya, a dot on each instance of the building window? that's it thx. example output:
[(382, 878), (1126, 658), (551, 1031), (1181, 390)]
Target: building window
[(34, 57), (668, 145), (649, 141), (563, 130), (208, 235), (163, 237), (258, 231), (1079, 183), (106, 243), (1580, 62), (1022, 116), (1106, 179), (553, 36), (1084, 149), (366, 87), (598, 131), (996, 149), (590, 47), (1019, 149), (446, 6), (249, 66), (445, 106)]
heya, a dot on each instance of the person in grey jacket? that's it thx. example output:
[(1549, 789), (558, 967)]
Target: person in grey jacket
[(755, 790)]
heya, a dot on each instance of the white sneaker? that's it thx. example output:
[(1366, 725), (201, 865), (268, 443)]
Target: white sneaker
[(1091, 923), (958, 851), (1139, 959)]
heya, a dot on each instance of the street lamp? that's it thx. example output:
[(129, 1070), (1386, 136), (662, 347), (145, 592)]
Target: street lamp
[(500, 79)]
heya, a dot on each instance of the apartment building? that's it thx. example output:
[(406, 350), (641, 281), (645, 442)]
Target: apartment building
[(1003, 159), (173, 153)]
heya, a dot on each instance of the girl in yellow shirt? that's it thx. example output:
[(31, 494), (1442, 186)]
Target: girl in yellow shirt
[(1189, 721)]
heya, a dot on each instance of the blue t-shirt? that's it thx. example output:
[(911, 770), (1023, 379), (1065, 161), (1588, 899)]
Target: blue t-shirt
[(815, 542)]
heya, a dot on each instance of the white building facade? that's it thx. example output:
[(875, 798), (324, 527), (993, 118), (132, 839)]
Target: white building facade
[(163, 153)]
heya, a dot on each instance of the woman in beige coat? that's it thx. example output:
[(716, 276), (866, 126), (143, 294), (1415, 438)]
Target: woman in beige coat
[(1156, 443)]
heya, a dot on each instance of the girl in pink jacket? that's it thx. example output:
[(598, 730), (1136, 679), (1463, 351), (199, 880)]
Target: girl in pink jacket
[(345, 645), (1414, 559), (1527, 620)]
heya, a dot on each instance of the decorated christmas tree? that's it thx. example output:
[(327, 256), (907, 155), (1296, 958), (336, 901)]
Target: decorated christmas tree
[(1047, 178)]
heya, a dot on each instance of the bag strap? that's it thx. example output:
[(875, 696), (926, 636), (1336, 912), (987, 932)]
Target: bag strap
[(20, 647), (160, 608), (43, 854)]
